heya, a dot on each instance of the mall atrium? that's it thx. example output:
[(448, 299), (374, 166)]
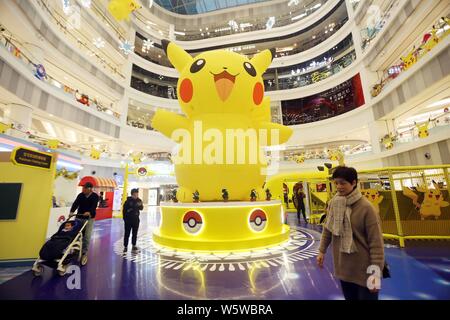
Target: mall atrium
[(114, 96)]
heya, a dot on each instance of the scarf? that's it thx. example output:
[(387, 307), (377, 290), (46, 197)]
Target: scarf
[(338, 220)]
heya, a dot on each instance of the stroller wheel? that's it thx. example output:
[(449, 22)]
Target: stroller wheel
[(84, 260), (61, 271), (37, 272)]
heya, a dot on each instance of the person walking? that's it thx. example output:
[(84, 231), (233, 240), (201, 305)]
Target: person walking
[(353, 229), (131, 213)]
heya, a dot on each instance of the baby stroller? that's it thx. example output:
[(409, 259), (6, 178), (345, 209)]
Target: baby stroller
[(62, 247)]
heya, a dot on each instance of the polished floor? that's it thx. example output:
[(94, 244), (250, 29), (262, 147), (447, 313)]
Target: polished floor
[(421, 271)]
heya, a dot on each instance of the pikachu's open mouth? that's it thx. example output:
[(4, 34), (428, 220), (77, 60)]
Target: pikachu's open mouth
[(224, 84)]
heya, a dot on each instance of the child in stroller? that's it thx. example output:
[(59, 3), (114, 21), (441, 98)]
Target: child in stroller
[(61, 248)]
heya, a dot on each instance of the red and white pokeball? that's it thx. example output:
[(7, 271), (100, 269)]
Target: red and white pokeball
[(258, 220), (192, 222), (142, 171)]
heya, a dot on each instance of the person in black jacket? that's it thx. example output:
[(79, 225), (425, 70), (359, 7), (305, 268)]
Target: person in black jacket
[(86, 203), (131, 209)]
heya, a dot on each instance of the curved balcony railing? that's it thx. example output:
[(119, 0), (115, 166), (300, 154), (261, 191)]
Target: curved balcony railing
[(421, 48), (283, 78), (150, 49), (78, 38), (330, 69), (296, 13), (412, 132), (39, 72)]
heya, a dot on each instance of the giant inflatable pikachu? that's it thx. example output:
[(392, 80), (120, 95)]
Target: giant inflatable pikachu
[(220, 92)]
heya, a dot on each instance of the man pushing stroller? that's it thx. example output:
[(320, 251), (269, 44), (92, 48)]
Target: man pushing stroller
[(86, 203)]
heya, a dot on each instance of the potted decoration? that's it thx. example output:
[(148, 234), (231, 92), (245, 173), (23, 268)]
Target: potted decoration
[(174, 195), (196, 196), (268, 195), (225, 195), (253, 195)]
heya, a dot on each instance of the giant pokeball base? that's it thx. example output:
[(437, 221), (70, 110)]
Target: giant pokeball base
[(221, 226)]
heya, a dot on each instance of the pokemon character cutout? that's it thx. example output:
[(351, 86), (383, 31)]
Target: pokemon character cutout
[(432, 203)]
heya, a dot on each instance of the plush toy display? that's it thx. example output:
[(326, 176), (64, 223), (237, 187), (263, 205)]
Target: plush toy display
[(423, 130), (52, 144), (95, 154)]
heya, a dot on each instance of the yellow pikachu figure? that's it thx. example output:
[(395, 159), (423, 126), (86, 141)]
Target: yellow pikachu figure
[(388, 141), (374, 197), (137, 158), (299, 159), (336, 155), (121, 9), (4, 127), (227, 121), (52, 144), (408, 61), (432, 203), (432, 41), (423, 130), (95, 154)]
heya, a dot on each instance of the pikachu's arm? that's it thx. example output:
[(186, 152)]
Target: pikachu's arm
[(380, 199), (410, 194), (284, 133), (167, 122), (444, 204)]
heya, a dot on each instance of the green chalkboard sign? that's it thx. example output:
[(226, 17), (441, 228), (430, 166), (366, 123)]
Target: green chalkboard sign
[(9, 200)]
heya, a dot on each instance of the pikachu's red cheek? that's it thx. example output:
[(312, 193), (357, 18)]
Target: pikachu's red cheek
[(258, 93), (186, 90)]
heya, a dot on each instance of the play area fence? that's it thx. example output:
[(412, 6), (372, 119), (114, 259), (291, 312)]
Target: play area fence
[(413, 202)]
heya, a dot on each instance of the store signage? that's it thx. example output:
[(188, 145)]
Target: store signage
[(31, 158)]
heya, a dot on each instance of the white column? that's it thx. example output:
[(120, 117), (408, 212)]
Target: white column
[(368, 80), (351, 13), (21, 116), (171, 32), (127, 70)]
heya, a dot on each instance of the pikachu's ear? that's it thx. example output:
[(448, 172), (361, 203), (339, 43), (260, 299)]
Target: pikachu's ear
[(177, 56), (436, 186), (262, 60)]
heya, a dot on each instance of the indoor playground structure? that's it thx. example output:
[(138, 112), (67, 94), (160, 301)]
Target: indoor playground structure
[(222, 96), (413, 202)]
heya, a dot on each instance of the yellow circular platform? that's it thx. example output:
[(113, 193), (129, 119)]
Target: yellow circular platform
[(221, 226)]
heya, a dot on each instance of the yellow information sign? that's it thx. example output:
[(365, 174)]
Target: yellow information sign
[(30, 158)]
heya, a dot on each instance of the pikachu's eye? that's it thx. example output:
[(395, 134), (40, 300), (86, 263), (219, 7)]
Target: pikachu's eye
[(198, 65), (250, 69)]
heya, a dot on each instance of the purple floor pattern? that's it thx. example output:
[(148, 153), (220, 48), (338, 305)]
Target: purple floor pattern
[(286, 272)]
